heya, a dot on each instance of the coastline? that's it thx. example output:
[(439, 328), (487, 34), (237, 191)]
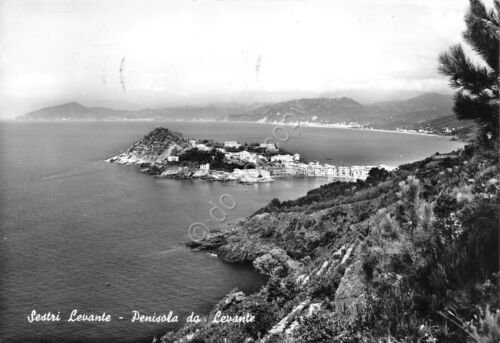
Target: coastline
[(312, 125), (313, 272), (334, 126)]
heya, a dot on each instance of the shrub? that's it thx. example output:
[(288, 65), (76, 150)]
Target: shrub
[(322, 327), (488, 328), (409, 200)]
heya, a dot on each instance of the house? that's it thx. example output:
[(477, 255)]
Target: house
[(277, 171), (330, 170), (248, 156), (344, 172), (301, 169), (282, 158), (192, 142), (268, 146), (173, 158), (360, 172), (203, 147), (231, 155), (205, 166), (231, 144), (320, 170), (251, 173)]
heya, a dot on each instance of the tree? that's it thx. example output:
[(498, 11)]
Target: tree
[(376, 174), (477, 84)]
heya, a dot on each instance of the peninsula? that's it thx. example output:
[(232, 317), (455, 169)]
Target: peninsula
[(166, 153)]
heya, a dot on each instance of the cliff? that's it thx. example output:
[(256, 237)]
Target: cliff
[(406, 256)]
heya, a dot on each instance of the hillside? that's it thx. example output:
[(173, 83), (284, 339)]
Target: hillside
[(424, 112), (71, 110), (431, 112), (409, 256), (432, 103), (155, 147), (317, 110)]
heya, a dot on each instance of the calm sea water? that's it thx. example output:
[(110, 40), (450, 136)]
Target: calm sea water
[(79, 233)]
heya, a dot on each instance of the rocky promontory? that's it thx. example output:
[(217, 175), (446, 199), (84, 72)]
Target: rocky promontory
[(166, 153)]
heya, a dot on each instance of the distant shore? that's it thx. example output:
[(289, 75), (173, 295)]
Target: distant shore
[(305, 124), (335, 126)]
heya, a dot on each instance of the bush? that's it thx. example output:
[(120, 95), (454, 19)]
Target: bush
[(321, 327), (326, 285), (488, 327)]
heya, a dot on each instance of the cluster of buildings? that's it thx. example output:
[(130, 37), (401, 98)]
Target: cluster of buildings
[(199, 146), (323, 170), (240, 175), (280, 164), (245, 156)]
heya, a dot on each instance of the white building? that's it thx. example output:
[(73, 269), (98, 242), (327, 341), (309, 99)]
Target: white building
[(386, 167), (301, 169), (344, 172), (252, 173), (203, 147), (173, 158), (330, 170), (282, 158), (231, 144), (231, 155), (192, 142), (248, 156), (205, 166), (268, 146), (360, 172)]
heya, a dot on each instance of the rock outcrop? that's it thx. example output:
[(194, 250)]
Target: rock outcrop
[(344, 252), (166, 153)]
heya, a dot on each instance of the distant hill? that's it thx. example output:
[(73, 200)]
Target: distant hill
[(325, 110), (337, 110), (71, 110), (431, 112), (432, 103), (76, 111)]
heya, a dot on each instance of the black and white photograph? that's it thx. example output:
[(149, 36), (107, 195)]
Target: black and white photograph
[(249, 171)]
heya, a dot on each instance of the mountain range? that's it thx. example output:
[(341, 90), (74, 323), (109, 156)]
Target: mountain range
[(431, 112)]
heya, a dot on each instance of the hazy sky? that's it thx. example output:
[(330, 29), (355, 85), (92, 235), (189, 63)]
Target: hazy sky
[(173, 52)]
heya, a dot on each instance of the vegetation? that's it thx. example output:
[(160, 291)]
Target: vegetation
[(424, 258), (477, 84), (406, 256)]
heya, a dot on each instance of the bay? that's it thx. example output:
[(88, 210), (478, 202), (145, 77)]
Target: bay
[(79, 233)]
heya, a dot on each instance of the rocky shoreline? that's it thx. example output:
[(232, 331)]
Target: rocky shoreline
[(319, 253), (187, 173), (158, 153)]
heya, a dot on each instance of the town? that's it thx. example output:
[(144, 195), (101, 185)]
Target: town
[(258, 162)]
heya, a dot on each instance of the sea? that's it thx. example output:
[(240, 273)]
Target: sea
[(77, 233)]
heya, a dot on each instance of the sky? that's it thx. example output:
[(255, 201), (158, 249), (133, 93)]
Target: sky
[(149, 53)]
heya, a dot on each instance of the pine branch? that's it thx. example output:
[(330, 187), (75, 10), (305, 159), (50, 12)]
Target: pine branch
[(463, 73), (482, 33), (482, 109)]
